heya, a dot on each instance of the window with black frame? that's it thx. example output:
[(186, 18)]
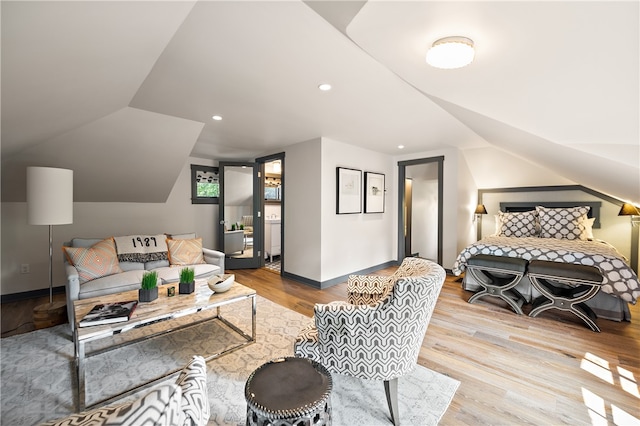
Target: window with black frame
[(205, 184)]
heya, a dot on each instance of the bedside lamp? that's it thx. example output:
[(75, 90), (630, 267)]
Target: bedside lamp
[(630, 210), (480, 210)]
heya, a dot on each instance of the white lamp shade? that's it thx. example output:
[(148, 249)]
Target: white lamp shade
[(49, 196)]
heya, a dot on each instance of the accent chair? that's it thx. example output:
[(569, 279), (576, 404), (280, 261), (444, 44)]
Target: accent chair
[(378, 332)]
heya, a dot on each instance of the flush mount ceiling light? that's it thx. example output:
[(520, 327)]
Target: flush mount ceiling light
[(217, 117), (324, 87), (451, 52)]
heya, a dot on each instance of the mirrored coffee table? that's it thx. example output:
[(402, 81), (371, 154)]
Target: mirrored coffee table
[(166, 314)]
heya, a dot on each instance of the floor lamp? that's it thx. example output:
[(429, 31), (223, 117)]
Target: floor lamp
[(49, 202)]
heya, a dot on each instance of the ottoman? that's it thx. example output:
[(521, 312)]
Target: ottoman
[(289, 391)]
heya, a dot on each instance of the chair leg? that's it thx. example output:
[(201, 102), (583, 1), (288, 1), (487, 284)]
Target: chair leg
[(391, 390)]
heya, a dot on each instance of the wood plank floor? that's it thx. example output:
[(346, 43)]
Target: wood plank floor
[(514, 370)]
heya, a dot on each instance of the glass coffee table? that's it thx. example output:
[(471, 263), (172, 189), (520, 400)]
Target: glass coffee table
[(164, 315)]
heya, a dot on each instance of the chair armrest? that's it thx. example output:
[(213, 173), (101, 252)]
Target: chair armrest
[(367, 289), (214, 257), (72, 290)]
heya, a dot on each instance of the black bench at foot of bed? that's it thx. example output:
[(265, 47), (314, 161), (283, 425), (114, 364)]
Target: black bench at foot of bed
[(580, 283), (562, 286)]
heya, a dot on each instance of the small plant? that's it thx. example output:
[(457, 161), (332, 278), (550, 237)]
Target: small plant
[(149, 280), (187, 275)]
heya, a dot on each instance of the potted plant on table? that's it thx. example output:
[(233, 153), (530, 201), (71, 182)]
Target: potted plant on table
[(149, 287), (187, 281)]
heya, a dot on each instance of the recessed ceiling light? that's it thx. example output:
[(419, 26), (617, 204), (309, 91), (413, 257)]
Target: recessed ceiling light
[(451, 52), (400, 146), (324, 87), (217, 117)]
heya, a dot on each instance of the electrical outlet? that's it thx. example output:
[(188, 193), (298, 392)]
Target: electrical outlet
[(24, 268)]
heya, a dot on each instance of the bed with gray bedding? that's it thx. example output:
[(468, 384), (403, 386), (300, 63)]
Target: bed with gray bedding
[(619, 287)]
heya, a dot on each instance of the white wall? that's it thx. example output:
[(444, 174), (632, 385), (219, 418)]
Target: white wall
[(302, 214), (352, 242), (424, 227), (23, 243)]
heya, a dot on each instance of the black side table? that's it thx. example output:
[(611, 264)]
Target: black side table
[(289, 391)]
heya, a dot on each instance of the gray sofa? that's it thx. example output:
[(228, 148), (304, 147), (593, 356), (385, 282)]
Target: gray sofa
[(131, 275)]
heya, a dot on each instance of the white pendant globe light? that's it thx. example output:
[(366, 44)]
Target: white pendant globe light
[(451, 52)]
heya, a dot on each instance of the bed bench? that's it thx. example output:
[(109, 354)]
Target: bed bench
[(498, 275), (565, 287)]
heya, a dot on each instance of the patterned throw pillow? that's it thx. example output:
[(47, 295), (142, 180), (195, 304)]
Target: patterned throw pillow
[(563, 223), (97, 261), (521, 224), (185, 252)]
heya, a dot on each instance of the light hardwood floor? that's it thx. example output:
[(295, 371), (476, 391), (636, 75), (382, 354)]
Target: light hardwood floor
[(513, 370)]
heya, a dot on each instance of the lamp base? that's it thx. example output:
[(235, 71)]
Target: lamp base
[(50, 314)]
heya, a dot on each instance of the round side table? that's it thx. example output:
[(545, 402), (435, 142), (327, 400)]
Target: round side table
[(289, 391)]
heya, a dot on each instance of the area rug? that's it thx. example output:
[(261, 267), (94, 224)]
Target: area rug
[(38, 376)]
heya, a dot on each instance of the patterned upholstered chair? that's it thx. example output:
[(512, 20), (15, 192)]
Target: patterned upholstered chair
[(184, 402), (377, 334)]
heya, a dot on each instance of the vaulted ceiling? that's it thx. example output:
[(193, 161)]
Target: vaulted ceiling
[(111, 89)]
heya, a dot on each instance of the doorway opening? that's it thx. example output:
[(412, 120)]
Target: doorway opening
[(420, 208)]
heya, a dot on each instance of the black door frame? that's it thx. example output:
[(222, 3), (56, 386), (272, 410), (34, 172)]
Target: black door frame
[(401, 200), (261, 161)]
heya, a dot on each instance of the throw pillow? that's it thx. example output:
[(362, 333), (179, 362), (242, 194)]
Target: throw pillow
[(517, 224), (185, 252), (563, 223), (96, 261)]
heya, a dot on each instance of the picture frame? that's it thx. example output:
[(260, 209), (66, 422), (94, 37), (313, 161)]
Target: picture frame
[(348, 191), (374, 192)]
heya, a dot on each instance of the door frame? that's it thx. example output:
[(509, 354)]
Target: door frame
[(402, 174), (261, 162)]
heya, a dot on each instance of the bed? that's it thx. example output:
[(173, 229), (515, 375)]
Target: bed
[(532, 235)]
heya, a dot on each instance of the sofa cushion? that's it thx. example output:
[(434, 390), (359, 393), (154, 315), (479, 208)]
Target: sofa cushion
[(133, 266), (124, 281), (171, 274), (185, 252), (93, 262), (149, 266)]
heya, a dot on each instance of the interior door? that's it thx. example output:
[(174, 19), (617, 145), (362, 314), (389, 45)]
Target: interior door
[(240, 229)]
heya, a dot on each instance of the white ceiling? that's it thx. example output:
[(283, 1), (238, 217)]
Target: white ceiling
[(548, 78)]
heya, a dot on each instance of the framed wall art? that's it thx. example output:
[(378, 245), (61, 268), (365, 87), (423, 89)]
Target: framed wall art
[(373, 192), (348, 191)]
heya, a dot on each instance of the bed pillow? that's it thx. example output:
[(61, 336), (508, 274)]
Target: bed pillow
[(520, 224), (185, 252), (563, 223), (96, 261), (588, 228)]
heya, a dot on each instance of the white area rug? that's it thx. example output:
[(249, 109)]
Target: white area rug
[(38, 375)]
